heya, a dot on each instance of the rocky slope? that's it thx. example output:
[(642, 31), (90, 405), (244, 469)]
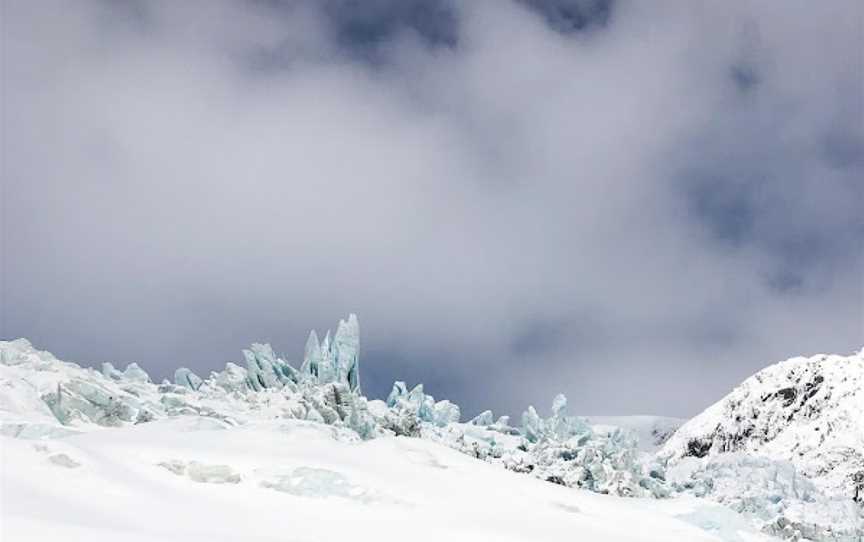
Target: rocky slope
[(807, 411)]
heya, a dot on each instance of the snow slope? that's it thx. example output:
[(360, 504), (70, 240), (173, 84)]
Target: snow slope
[(807, 411), (190, 478)]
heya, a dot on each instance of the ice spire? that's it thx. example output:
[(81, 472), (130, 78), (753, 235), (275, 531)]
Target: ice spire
[(345, 352), (312, 356)]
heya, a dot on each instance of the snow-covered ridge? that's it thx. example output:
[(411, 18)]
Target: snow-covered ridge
[(808, 411)]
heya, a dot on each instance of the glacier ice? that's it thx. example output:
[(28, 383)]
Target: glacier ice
[(417, 404), (132, 373), (484, 419), (336, 359), (43, 397), (773, 493), (186, 378)]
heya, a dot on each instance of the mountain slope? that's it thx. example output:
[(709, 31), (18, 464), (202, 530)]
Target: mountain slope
[(808, 411)]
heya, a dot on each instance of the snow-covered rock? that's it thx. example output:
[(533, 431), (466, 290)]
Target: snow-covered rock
[(807, 411)]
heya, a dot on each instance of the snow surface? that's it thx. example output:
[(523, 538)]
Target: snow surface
[(190, 478)]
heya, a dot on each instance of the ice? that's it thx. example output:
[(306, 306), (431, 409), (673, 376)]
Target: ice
[(532, 425), (312, 356), (444, 413), (232, 379), (336, 360), (89, 401), (135, 373), (186, 378), (42, 397), (484, 419), (558, 405), (266, 370), (203, 473), (109, 371), (346, 346), (772, 493), (132, 373), (317, 483), (398, 391)]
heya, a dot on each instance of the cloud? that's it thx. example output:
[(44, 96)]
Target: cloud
[(637, 205)]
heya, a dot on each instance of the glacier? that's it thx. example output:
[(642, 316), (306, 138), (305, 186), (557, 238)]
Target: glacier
[(742, 453)]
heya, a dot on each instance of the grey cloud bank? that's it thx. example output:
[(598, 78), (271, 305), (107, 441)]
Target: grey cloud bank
[(638, 205)]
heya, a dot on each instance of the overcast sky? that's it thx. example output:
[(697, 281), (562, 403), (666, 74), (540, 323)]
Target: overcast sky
[(638, 204)]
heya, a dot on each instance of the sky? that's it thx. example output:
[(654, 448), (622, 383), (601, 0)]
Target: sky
[(638, 204)]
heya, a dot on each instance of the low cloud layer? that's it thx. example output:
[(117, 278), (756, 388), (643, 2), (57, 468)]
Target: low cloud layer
[(636, 204)]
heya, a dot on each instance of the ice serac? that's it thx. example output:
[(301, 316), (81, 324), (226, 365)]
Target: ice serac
[(420, 406), (132, 372), (484, 419), (311, 356), (187, 379), (266, 370), (336, 358), (346, 355)]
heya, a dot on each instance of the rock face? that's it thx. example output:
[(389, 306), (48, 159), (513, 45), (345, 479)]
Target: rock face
[(807, 411)]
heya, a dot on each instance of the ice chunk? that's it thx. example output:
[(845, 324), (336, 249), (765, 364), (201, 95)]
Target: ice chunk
[(110, 372), (532, 425), (399, 391), (312, 356), (186, 378), (91, 401), (318, 483), (135, 373), (334, 359), (233, 378), (132, 372), (558, 405), (211, 474), (346, 352), (445, 413), (483, 419), (265, 370), (359, 419), (202, 472)]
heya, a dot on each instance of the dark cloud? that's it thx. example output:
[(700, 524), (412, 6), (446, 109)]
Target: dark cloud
[(637, 205), (569, 16)]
